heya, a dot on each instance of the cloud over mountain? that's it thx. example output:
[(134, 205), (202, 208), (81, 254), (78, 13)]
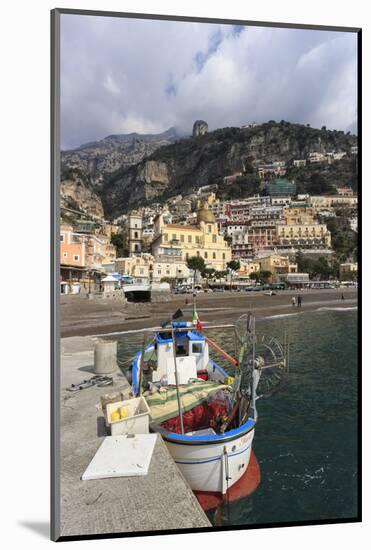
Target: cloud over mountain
[(129, 75)]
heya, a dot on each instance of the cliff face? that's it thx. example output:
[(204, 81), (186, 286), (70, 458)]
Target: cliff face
[(99, 160), (129, 171), (190, 163), (76, 194)]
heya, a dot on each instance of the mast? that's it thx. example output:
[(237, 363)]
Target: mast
[(177, 382), (253, 384)]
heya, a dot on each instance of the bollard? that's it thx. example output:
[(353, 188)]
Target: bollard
[(105, 356)]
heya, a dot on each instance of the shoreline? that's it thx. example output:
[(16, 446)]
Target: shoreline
[(83, 317)]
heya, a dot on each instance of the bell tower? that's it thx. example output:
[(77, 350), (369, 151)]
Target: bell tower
[(135, 234)]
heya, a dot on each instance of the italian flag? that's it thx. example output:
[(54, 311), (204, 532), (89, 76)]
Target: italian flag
[(195, 319)]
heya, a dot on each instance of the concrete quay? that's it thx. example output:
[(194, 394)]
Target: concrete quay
[(162, 500)]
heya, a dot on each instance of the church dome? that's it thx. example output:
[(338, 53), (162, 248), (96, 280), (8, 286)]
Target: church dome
[(205, 215)]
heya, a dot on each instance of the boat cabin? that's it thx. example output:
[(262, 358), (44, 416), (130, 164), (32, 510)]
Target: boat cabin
[(192, 356)]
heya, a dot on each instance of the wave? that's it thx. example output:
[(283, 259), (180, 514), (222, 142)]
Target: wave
[(280, 315), (337, 308)]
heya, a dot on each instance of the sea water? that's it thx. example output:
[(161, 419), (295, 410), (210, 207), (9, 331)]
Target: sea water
[(306, 435)]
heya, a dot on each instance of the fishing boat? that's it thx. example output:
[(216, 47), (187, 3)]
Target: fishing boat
[(206, 416)]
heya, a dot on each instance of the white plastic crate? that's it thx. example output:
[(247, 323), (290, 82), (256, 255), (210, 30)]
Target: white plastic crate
[(136, 421)]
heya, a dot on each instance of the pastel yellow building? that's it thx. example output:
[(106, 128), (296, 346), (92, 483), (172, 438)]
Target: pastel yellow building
[(184, 241), (145, 266), (315, 234), (247, 267), (328, 201), (299, 216), (277, 265)]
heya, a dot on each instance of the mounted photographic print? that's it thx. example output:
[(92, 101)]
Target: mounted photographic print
[(205, 274)]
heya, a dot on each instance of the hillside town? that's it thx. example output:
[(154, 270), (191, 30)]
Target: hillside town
[(276, 238)]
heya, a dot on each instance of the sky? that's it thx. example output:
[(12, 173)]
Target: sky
[(130, 75)]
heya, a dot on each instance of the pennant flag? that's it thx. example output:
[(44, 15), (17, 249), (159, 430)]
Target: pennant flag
[(194, 315), (199, 325)]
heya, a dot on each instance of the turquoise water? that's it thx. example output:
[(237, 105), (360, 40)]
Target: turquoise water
[(306, 436)]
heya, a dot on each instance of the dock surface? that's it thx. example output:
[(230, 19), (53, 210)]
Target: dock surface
[(161, 500)]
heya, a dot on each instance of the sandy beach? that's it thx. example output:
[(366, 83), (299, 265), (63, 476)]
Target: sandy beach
[(81, 317)]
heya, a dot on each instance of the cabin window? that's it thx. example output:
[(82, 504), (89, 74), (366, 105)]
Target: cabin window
[(181, 350), (197, 348)]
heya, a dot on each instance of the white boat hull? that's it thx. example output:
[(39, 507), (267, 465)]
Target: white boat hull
[(206, 466)]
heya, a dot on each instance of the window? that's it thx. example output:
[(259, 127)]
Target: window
[(141, 271), (182, 238), (136, 248), (214, 256), (167, 272), (174, 237), (209, 228), (62, 238), (135, 234), (198, 253), (214, 238), (197, 240), (166, 236), (223, 255), (197, 348), (135, 225), (159, 271), (65, 254), (189, 238), (180, 350), (206, 255), (76, 258)]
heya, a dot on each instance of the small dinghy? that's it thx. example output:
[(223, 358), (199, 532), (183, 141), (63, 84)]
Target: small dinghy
[(206, 416)]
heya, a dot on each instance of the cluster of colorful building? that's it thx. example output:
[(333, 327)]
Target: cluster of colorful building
[(262, 232)]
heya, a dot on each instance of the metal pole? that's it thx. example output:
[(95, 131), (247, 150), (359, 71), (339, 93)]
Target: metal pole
[(177, 383), (253, 366), (142, 366)]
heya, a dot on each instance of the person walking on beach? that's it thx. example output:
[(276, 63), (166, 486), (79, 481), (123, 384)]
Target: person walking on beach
[(299, 301), (342, 297), (293, 301)]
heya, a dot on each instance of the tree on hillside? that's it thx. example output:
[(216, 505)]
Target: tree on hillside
[(120, 243), (261, 276), (265, 276), (233, 265), (318, 185), (208, 273), (196, 263)]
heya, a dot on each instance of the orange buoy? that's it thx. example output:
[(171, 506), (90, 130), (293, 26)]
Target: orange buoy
[(244, 487)]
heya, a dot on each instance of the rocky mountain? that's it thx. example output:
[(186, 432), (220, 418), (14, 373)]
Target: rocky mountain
[(99, 160), (187, 164), (77, 194)]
